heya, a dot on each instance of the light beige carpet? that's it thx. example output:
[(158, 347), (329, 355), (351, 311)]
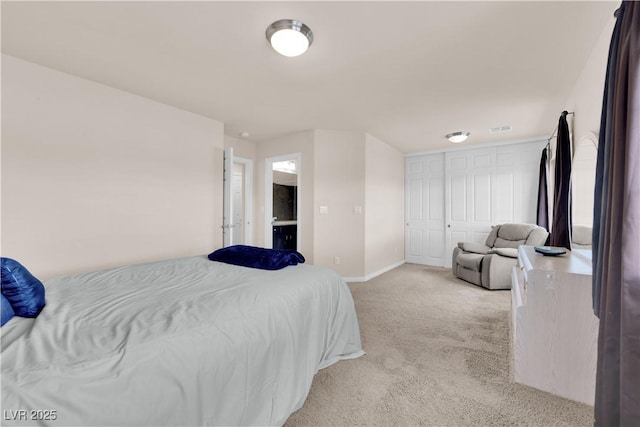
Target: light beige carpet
[(437, 354)]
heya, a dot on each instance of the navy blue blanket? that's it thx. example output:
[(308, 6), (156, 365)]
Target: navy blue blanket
[(254, 257)]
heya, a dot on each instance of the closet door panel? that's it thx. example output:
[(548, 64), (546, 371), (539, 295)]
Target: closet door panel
[(435, 245), (482, 159), (503, 197), (479, 237), (516, 182), (416, 204), (460, 236), (436, 196), (526, 207), (425, 210), (415, 243), (481, 196), (468, 196), (435, 209), (527, 171), (458, 205)]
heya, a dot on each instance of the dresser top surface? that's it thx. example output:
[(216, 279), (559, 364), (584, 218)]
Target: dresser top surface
[(573, 262)]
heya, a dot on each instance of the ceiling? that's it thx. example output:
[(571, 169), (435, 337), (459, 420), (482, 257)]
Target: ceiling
[(405, 72)]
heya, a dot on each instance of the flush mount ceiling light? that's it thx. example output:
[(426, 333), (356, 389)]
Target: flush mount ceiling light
[(289, 37), (457, 137)]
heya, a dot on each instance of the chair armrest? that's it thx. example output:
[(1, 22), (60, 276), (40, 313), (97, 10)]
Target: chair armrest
[(537, 237), (508, 252), (476, 248), (496, 271)]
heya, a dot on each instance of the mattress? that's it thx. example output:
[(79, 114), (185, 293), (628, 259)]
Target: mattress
[(179, 342)]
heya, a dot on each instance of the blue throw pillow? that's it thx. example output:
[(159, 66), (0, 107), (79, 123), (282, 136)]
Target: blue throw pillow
[(24, 292), (254, 257), (6, 311)]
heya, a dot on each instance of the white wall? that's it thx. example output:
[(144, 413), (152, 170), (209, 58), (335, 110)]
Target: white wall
[(94, 177), (360, 180), (302, 143), (340, 187), (384, 206), (241, 147), (586, 101), (586, 97)]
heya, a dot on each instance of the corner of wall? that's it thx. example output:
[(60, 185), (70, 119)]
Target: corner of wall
[(384, 205)]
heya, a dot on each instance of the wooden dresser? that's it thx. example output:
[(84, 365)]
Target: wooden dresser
[(554, 332)]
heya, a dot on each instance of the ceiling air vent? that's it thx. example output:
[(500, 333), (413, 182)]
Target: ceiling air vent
[(500, 129)]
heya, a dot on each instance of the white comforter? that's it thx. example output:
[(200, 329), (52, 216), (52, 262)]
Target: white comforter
[(180, 342)]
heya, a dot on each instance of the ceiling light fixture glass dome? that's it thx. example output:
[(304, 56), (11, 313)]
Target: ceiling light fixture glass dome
[(457, 137), (289, 37)]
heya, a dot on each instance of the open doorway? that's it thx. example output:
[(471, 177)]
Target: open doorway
[(282, 195)]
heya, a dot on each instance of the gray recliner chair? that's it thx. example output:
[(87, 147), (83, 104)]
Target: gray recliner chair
[(490, 265), (581, 237)]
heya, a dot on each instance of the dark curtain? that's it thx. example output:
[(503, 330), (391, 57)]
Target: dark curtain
[(616, 229), (542, 217), (561, 221)]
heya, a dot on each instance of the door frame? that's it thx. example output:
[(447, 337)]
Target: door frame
[(268, 196), (227, 217), (248, 198), (227, 200)]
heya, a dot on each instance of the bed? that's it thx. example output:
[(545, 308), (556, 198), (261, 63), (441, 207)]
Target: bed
[(180, 342)]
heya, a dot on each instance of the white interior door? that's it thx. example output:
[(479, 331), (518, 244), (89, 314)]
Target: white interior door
[(238, 200), (227, 217), (237, 196), (243, 210), (425, 236), (468, 196)]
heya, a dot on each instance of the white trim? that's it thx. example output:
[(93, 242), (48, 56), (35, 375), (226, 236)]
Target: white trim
[(248, 195), (374, 274)]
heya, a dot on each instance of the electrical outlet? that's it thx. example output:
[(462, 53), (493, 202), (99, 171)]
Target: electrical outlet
[(336, 260)]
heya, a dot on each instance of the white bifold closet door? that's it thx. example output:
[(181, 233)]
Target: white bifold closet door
[(425, 235), (227, 202), (458, 195), (468, 200)]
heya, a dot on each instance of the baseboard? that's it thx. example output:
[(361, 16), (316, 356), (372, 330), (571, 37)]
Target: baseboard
[(374, 274)]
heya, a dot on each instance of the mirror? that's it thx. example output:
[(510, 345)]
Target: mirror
[(583, 178)]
